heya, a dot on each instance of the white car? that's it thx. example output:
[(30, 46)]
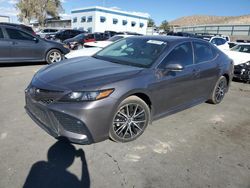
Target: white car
[(240, 54), (220, 42), (90, 48), (46, 32)]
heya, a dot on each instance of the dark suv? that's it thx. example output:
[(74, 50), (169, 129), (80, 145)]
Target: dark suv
[(18, 45), (66, 34)]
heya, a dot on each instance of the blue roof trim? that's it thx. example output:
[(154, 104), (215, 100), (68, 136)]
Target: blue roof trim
[(107, 11)]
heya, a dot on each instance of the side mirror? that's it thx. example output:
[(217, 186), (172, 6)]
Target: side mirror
[(174, 67)]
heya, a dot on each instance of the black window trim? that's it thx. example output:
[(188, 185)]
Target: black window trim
[(1, 29)]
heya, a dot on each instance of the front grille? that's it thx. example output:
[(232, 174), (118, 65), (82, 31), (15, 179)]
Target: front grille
[(45, 96), (43, 115), (70, 123), (47, 101)]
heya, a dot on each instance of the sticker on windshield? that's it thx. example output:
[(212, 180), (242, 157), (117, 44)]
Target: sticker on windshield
[(158, 42)]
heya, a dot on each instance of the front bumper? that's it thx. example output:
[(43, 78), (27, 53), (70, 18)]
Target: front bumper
[(242, 72), (82, 123)]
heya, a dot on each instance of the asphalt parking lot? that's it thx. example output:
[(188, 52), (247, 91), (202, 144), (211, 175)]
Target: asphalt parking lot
[(205, 146)]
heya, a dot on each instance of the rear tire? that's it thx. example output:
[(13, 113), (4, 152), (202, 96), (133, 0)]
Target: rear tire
[(130, 120), (219, 91), (54, 56)]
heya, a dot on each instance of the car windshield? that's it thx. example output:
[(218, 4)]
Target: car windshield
[(115, 38), (139, 52), (241, 48)]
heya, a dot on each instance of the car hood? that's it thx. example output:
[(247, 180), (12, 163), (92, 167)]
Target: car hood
[(100, 44), (237, 57), (84, 73)]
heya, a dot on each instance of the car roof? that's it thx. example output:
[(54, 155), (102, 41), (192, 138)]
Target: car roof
[(243, 44)]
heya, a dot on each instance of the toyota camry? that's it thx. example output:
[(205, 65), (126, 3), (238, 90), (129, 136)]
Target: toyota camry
[(120, 90)]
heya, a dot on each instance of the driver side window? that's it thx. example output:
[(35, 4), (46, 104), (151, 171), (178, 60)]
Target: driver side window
[(182, 54)]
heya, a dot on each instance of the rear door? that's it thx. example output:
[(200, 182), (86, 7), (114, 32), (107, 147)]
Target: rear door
[(23, 46), (4, 47), (206, 61)]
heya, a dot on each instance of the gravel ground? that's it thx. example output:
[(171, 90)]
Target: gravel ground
[(205, 146)]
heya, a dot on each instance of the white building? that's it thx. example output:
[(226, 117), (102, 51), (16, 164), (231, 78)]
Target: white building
[(4, 18), (100, 19)]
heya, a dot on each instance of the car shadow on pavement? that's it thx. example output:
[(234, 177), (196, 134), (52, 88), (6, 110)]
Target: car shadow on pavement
[(54, 173), (21, 64)]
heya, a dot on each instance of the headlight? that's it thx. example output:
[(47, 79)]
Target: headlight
[(73, 43), (79, 96), (66, 46)]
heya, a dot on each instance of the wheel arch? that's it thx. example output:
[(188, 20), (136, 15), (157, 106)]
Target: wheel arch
[(227, 77)]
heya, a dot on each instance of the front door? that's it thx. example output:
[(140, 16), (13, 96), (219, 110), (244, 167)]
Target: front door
[(175, 89)]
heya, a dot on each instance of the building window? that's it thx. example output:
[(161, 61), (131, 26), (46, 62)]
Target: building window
[(83, 19), (74, 19), (124, 22), (90, 18), (115, 21), (133, 24), (90, 29), (141, 25), (81, 29), (102, 19)]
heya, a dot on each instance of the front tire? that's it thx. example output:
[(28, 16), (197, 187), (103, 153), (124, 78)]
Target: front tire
[(54, 56), (219, 91), (130, 120)]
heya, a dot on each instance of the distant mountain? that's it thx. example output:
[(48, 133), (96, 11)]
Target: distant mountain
[(203, 19)]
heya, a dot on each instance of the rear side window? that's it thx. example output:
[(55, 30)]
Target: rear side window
[(182, 54), (203, 52), (18, 35), (218, 41), (1, 34)]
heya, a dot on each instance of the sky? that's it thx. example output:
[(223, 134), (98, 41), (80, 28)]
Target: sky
[(159, 10)]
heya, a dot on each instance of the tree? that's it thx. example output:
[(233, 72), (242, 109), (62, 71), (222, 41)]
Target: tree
[(39, 10), (151, 22), (165, 26), (26, 10)]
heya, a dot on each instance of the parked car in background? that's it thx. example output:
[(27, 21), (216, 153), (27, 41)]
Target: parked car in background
[(66, 34), (240, 54), (47, 33), (104, 43), (181, 34), (117, 92), (20, 26), (90, 48), (218, 41), (17, 45), (76, 42)]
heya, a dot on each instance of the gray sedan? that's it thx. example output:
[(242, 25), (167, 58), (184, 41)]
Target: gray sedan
[(120, 90), (17, 45)]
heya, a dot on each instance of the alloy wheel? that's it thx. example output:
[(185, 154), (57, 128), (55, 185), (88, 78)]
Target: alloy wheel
[(55, 57), (129, 121), (220, 90)]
